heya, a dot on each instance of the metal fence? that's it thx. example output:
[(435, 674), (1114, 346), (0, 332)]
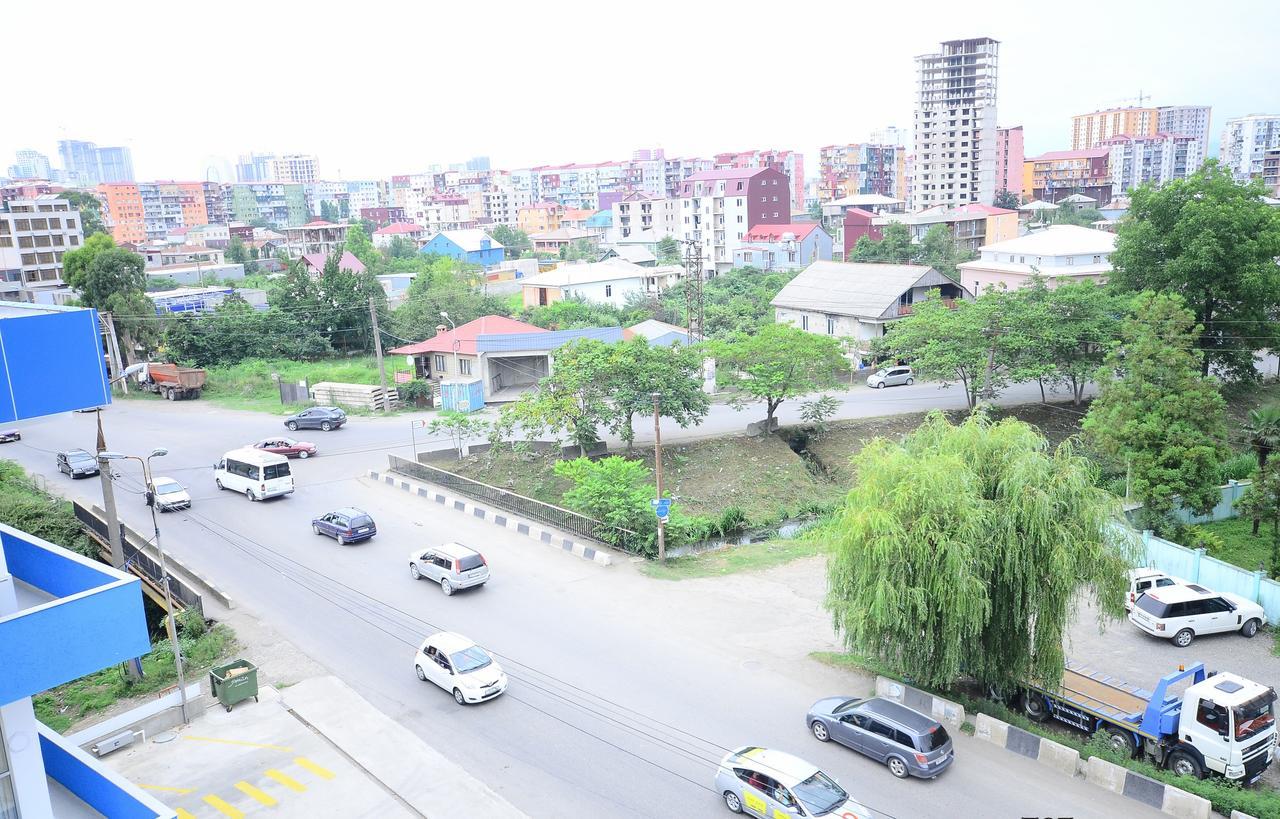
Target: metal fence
[(556, 516), (138, 559)]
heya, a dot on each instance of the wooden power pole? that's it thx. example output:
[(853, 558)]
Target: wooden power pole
[(113, 351), (377, 346)]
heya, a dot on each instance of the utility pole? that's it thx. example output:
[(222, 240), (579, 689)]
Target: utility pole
[(133, 666), (693, 289), (113, 350), (657, 470), (377, 346)]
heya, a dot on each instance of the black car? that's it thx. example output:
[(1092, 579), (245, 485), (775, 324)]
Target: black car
[(77, 463), (8, 436), (325, 418)]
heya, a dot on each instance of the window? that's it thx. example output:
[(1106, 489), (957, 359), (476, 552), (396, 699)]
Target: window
[(1216, 605), (464, 366), (439, 364), (1211, 715), (880, 729), (831, 326), (1071, 260), (608, 290), (1097, 260), (804, 322)]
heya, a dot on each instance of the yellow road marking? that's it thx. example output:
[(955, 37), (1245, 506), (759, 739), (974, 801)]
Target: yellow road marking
[(224, 808), (260, 795), (163, 788), (323, 773), (286, 780), (237, 742), (182, 814)]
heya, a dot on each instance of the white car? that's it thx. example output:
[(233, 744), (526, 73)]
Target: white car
[(768, 783), (171, 495), (1181, 613), (1144, 580), (460, 667)]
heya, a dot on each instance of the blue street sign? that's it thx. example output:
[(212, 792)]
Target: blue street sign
[(662, 508)]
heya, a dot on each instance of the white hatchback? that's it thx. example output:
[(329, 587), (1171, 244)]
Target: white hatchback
[(460, 667), (1181, 613)]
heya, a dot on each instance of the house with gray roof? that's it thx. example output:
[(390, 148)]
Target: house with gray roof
[(858, 301)]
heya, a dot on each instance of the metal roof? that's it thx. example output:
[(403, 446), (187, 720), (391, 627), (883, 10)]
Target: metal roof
[(864, 290), (544, 342)]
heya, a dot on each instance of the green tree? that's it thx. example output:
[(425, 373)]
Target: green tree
[(236, 253), (815, 211), (963, 549), (1215, 243), (668, 251), (1263, 429), (401, 248), (572, 314), (358, 243), (112, 280), (461, 427), (734, 302), (893, 246), (439, 288), (1069, 330), (778, 362), (155, 283), (612, 490), (90, 211), (938, 250), (1261, 501), (328, 212), (1156, 414), (580, 250), (574, 399), (514, 242), (636, 370), (1006, 199), (236, 331)]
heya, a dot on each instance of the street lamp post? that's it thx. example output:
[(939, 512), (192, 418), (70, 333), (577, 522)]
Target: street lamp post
[(457, 371), (171, 625), (657, 470)]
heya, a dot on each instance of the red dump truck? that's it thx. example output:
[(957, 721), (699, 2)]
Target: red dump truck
[(171, 381)]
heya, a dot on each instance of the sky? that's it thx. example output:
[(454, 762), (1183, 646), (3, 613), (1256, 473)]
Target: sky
[(379, 88)]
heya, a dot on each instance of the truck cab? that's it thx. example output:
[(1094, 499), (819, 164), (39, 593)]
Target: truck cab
[(1229, 723)]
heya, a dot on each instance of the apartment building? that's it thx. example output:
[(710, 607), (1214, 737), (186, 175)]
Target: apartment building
[(1009, 158), (1271, 170), (278, 204), (443, 213), (640, 211), (122, 212), (790, 163), (86, 164), (1157, 159), (540, 217), (167, 205), (718, 207), (30, 165), (1091, 130), (1059, 174), (1186, 120), (287, 169), (861, 169), (955, 124), (317, 236), (34, 235), (1245, 143)]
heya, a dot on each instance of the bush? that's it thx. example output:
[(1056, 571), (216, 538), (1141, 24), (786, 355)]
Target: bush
[(733, 520), (38, 513), (612, 490), (1239, 467), (1198, 537)]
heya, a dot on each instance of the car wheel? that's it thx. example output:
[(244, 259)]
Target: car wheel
[(732, 802), (898, 767), (292, 425), (342, 541), (458, 698), (315, 528), (304, 454), (446, 587), (326, 426), (1183, 638), (880, 386), (1250, 628), (413, 571), (820, 731), (421, 674), (1184, 764), (248, 493), (218, 481), (1033, 705), (910, 381)]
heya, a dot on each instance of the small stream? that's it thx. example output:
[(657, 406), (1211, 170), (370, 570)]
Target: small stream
[(786, 531)]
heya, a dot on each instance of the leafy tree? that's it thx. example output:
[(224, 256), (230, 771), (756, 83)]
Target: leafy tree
[(612, 490), (893, 246), (1068, 214), (1156, 413), (328, 212), (815, 211), (1215, 243), (574, 399), (735, 302), (818, 411), (1261, 501), (514, 242), (668, 251), (963, 549), (637, 370), (401, 248), (90, 211), (573, 314), (461, 427), (938, 250), (1069, 330), (1263, 429), (580, 250), (236, 253), (1006, 199), (779, 362), (439, 288), (155, 283), (360, 246), (236, 331), (112, 280)]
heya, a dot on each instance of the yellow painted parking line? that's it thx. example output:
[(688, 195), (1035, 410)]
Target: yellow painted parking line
[(255, 793), (237, 742), (167, 789), (286, 780), (224, 808), (323, 773), (182, 814)]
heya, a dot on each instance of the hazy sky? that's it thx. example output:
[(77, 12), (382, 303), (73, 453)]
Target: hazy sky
[(378, 88)]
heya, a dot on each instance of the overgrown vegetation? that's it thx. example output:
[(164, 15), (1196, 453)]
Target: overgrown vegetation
[(249, 384), (26, 507), (750, 557)]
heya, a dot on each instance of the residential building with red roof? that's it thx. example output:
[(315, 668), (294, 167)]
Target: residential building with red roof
[(790, 163), (411, 231), (718, 207), (783, 247), (1059, 174), (314, 263), (456, 353)]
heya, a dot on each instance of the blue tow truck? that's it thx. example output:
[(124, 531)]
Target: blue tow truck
[(1220, 723)]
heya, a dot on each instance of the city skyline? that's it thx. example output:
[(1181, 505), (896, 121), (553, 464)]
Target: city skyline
[(545, 116)]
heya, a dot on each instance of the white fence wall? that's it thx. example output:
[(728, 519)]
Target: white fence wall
[(1196, 566)]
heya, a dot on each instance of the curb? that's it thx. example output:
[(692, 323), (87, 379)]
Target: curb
[(903, 694), (595, 554)]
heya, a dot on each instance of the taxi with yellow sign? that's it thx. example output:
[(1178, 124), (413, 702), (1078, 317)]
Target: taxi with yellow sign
[(776, 785)]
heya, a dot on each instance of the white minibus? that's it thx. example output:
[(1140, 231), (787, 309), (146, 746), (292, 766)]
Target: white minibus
[(257, 474)]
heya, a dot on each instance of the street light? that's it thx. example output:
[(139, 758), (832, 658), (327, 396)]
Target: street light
[(170, 623), (457, 368)]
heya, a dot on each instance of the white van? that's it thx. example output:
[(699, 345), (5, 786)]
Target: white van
[(257, 474)]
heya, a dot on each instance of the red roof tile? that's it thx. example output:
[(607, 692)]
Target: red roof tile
[(466, 334), (398, 227), (773, 233)]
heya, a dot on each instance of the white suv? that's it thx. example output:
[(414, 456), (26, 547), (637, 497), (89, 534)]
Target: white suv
[(1180, 613), (452, 565)]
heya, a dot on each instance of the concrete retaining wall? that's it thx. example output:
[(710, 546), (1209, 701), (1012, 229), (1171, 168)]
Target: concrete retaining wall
[(946, 711)]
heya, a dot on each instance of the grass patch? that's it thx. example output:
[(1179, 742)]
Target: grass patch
[(1239, 545), (64, 706), (749, 558)]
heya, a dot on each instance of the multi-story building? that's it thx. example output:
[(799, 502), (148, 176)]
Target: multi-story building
[(1186, 120), (80, 161), (115, 165), (216, 204), (122, 212), (277, 204), (971, 225), (1009, 159), (1271, 170), (1245, 143), (288, 169), (443, 213), (30, 165), (1059, 174), (676, 170), (1091, 130), (640, 211), (364, 193), (718, 207), (789, 162), (783, 247), (1059, 254), (861, 168), (889, 135), (255, 168), (540, 217), (955, 125), (1157, 159), (34, 235), (383, 215), (166, 205), (314, 237)]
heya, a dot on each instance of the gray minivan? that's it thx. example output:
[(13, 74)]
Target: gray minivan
[(891, 377), (908, 742)]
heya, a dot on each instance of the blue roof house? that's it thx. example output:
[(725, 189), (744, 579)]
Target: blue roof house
[(472, 246)]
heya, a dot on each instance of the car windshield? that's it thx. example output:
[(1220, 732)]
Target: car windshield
[(80, 457), (468, 562), (881, 373), (168, 487), (936, 738), (470, 659), (362, 520), (820, 794), (1255, 716), (845, 706), (1152, 606), (272, 471)]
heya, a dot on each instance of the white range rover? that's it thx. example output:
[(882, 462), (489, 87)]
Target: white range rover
[(1182, 613)]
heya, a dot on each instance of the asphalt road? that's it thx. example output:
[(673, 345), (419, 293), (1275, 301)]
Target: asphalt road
[(625, 690)]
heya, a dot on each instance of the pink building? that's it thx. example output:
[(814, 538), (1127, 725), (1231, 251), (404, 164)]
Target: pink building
[(1009, 159)]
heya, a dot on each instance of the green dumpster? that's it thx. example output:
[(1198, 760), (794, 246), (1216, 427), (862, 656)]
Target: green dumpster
[(231, 685)]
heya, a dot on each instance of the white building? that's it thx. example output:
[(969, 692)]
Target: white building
[(31, 165), (297, 169), (443, 213), (718, 207), (955, 125), (410, 231), (607, 282), (1157, 159), (641, 211), (1186, 120), (1061, 253), (1245, 142), (34, 235)]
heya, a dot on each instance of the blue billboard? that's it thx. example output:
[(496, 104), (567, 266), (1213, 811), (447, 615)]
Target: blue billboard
[(51, 360)]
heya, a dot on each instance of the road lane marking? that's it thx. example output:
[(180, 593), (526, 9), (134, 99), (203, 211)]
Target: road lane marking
[(183, 814), (323, 773), (256, 793), (225, 808), (237, 742), (286, 780), (164, 788)]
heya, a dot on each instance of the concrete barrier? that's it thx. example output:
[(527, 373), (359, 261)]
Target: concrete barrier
[(990, 729), (1105, 774), (1236, 814), (1059, 757), (1183, 805), (942, 710)]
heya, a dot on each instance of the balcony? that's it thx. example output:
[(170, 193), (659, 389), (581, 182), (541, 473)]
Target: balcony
[(906, 309)]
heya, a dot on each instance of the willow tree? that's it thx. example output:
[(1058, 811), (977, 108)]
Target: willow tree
[(962, 549)]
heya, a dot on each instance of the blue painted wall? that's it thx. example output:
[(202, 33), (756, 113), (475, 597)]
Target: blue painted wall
[(50, 362), (94, 783), (487, 256)]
